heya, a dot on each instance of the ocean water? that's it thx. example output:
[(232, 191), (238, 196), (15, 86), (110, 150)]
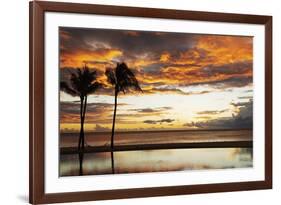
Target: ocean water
[(157, 160), (156, 137)]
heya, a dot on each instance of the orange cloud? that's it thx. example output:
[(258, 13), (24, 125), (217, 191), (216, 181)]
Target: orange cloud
[(212, 58), (140, 63), (78, 58), (226, 49), (165, 57)]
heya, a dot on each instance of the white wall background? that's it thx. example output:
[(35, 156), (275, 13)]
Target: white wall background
[(14, 100)]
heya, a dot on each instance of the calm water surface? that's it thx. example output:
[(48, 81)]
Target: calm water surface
[(157, 160)]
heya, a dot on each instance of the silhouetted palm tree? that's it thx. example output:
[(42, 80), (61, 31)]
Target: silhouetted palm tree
[(123, 80), (82, 83)]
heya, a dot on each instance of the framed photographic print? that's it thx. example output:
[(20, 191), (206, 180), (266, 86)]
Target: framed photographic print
[(139, 102)]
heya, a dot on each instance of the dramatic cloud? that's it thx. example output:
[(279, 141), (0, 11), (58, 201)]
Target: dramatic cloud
[(242, 119), (143, 112), (70, 107), (102, 113), (228, 75), (151, 42), (170, 67), (151, 110), (159, 121), (96, 112), (166, 90), (212, 112), (161, 58)]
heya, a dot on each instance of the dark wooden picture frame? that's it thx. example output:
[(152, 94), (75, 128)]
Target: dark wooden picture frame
[(37, 193)]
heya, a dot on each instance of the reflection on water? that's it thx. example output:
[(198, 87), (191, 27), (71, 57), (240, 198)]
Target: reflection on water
[(157, 161)]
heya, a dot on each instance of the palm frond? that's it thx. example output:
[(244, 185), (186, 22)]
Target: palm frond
[(64, 87), (94, 87), (75, 80), (88, 75), (82, 81), (126, 78), (111, 78)]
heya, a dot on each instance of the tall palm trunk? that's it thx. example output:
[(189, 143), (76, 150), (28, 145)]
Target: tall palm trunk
[(81, 123), (113, 131), (84, 115), (81, 143), (113, 122)]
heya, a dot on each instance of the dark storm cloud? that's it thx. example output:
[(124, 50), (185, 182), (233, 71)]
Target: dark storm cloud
[(224, 76), (167, 90), (143, 112), (229, 69), (240, 104), (243, 119), (230, 82), (100, 113), (74, 108), (212, 112), (151, 110), (151, 42), (159, 58), (159, 121), (96, 112), (70, 42), (65, 75)]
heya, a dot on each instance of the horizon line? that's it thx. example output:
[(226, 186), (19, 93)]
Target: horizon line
[(163, 130)]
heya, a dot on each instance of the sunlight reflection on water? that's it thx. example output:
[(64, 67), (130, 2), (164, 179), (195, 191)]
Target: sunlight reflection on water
[(157, 161)]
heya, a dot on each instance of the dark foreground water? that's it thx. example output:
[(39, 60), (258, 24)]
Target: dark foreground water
[(157, 160)]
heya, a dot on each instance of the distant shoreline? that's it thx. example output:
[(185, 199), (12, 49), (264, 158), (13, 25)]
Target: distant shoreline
[(139, 147), (160, 131)]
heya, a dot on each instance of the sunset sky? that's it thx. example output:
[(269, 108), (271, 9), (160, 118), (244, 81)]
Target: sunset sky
[(189, 81)]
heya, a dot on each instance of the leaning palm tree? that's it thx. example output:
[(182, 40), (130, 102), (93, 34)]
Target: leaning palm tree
[(82, 83), (123, 80)]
